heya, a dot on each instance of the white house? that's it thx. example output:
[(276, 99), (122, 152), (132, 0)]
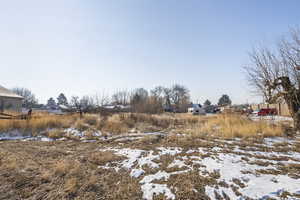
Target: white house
[(10, 100)]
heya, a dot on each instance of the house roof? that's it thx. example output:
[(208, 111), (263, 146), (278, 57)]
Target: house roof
[(7, 93)]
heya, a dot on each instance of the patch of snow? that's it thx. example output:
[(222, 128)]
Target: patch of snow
[(148, 160), (136, 173), (270, 188), (132, 154), (177, 163), (169, 150), (222, 191), (127, 139), (217, 149), (88, 141), (190, 151), (231, 166), (158, 176), (45, 139), (74, 132), (13, 137), (273, 140), (149, 189), (275, 118)]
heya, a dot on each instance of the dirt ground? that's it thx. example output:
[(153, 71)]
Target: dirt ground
[(151, 167)]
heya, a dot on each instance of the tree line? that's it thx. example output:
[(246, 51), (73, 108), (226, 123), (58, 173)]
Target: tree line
[(159, 99)]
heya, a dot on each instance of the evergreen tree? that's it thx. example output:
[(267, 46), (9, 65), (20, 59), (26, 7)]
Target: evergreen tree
[(207, 103), (62, 100), (224, 100), (51, 103)]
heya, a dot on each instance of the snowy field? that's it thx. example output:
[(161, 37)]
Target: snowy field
[(241, 174), (148, 166)]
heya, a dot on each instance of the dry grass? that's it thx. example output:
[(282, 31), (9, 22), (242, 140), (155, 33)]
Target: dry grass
[(37, 123), (71, 186), (55, 134), (91, 119), (81, 125), (37, 170), (62, 167), (103, 157), (224, 125), (230, 126)]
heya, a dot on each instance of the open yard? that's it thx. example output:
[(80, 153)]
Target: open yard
[(136, 156)]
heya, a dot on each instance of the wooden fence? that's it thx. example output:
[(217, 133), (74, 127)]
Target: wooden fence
[(281, 108), (10, 116)]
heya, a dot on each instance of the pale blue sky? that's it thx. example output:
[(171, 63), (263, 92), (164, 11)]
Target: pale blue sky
[(82, 47)]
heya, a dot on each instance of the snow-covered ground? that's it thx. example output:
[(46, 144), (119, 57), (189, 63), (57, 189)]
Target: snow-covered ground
[(84, 136), (244, 178), (275, 118), (239, 171)]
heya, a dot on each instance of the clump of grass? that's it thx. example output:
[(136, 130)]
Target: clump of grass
[(62, 167), (55, 134), (103, 157), (115, 124), (90, 120), (71, 186)]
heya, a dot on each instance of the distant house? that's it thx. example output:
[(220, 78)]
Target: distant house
[(196, 109), (10, 101)]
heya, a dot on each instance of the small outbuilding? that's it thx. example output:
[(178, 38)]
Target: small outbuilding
[(10, 101)]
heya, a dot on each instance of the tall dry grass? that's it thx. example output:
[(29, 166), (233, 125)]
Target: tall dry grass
[(224, 125), (37, 123), (234, 125)]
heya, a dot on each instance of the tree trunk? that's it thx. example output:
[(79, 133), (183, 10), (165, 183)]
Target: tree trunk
[(296, 118), (294, 110), (291, 97)]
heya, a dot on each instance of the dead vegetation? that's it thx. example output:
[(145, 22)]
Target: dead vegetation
[(36, 170), (70, 169), (101, 158), (232, 125), (223, 125)]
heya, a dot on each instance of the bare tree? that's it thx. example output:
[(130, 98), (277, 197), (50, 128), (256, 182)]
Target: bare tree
[(75, 103), (180, 97), (157, 99), (138, 100), (158, 92), (274, 74), (29, 98), (101, 99), (167, 97), (121, 97)]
